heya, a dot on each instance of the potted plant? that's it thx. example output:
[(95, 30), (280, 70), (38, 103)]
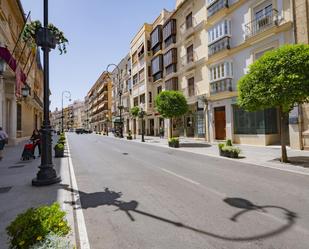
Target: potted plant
[(173, 142), (59, 150), (34, 34), (228, 150), (129, 137)]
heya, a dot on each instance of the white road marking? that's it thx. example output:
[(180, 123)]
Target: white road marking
[(181, 177), (82, 231)]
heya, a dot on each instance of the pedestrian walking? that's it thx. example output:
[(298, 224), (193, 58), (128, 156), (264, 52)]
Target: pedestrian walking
[(36, 139), (161, 131), (3, 141)]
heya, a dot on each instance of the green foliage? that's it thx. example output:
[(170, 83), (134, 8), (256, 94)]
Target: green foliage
[(35, 224), (135, 111), (171, 104), (53, 241), (59, 146), (229, 142), (230, 149), (280, 78), (221, 145), (174, 140), (31, 29)]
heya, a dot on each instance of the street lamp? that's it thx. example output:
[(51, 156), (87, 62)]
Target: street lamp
[(141, 115), (120, 95), (47, 174), (2, 66), (68, 95), (25, 91)]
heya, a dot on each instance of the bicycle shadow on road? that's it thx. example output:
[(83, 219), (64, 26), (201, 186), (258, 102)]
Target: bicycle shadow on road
[(112, 198)]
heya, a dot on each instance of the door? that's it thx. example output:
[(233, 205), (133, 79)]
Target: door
[(220, 123), (151, 127)]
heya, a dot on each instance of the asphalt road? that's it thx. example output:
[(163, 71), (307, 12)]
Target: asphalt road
[(141, 196)]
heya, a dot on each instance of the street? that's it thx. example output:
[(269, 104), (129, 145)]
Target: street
[(135, 195)]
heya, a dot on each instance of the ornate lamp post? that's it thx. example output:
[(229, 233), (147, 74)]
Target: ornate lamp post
[(47, 174), (67, 96), (120, 95), (141, 115)]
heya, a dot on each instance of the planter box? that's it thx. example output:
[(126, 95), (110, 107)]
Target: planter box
[(129, 138), (228, 154), (59, 153), (48, 41), (173, 144)]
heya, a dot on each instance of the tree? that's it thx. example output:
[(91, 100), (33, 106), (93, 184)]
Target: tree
[(171, 104), (279, 79), (135, 113)]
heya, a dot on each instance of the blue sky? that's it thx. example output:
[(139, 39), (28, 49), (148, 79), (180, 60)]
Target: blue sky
[(99, 33)]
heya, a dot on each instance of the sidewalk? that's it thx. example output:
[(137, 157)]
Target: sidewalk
[(267, 156), (17, 194)]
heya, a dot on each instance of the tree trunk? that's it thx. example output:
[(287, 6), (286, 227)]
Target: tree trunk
[(283, 120), (134, 128), (171, 127)]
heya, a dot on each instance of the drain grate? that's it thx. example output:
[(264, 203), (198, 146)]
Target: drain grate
[(125, 154), (17, 166), (5, 189)]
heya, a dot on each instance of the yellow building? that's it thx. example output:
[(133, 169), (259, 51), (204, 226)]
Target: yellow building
[(100, 103), (18, 115)]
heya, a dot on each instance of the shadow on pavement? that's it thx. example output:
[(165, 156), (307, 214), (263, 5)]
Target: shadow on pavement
[(112, 198), (302, 161)]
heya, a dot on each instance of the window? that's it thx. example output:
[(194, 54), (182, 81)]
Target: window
[(150, 97), (135, 79), (141, 51), (190, 57), (19, 112), (135, 101), (191, 91), (189, 21), (260, 54), (263, 12), (159, 89), (141, 75), (221, 71), (157, 65), (172, 84), (142, 99), (134, 58), (260, 122), (156, 39), (169, 32), (219, 30), (170, 57)]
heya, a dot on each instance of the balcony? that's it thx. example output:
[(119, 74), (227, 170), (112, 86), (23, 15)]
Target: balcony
[(38, 100), (188, 59), (220, 45), (191, 94), (216, 6), (262, 23), (223, 85)]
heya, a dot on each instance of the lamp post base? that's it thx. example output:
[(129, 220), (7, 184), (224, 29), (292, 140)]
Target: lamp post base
[(46, 176)]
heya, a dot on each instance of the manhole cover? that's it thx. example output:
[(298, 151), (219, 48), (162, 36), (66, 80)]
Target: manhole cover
[(17, 166), (5, 189)]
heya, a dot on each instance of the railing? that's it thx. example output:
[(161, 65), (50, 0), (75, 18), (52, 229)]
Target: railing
[(268, 20), (38, 100), (216, 6), (222, 44), (188, 58), (224, 85)]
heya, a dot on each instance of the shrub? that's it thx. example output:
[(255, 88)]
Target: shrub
[(221, 145), (53, 241), (231, 149), (174, 140), (59, 146), (229, 142), (35, 224)]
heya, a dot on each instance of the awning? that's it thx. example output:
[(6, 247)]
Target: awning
[(6, 55)]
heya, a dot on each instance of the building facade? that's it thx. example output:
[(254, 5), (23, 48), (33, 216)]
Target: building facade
[(20, 69), (100, 103)]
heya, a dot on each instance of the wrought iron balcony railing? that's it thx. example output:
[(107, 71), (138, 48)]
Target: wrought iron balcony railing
[(262, 23), (222, 44)]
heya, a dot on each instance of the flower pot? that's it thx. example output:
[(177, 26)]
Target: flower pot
[(59, 153), (173, 144), (48, 40)]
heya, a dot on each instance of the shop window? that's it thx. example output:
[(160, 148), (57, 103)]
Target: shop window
[(260, 122)]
